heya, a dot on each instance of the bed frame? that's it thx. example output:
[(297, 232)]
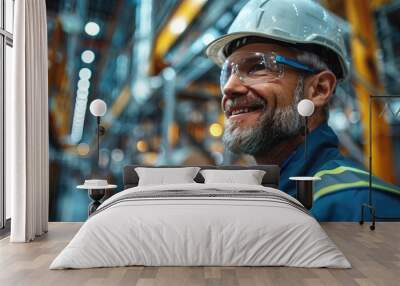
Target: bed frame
[(270, 179)]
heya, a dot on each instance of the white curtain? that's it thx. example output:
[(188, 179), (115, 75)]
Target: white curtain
[(27, 124)]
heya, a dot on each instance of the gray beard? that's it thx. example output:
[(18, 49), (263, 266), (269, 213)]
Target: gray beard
[(269, 131)]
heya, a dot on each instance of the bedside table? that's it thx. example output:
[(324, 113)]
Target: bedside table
[(96, 194), (304, 190)]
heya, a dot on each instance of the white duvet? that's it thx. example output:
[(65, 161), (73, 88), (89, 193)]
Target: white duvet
[(183, 231)]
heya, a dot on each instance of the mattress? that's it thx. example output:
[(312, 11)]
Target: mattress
[(201, 225)]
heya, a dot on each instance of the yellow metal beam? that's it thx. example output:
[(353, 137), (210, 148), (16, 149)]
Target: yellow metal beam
[(377, 3), (338, 6), (121, 102), (364, 46), (60, 113), (177, 24)]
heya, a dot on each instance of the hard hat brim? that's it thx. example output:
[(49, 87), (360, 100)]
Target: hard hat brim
[(215, 50)]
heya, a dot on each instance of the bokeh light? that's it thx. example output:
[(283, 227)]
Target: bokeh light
[(87, 56), (215, 130), (92, 29)]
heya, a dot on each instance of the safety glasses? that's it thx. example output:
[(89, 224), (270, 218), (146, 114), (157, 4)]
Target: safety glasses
[(255, 67)]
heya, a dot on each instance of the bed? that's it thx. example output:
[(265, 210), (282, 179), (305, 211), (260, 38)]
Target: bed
[(201, 224)]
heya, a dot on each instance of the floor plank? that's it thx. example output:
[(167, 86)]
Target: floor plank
[(374, 255)]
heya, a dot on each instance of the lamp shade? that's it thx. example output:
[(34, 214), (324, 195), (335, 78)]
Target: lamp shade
[(98, 107), (305, 107)]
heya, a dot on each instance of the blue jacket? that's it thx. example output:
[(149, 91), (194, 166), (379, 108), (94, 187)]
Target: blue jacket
[(343, 187)]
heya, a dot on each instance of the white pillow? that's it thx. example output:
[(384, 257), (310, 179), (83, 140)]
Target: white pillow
[(163, 176), (248, 177)]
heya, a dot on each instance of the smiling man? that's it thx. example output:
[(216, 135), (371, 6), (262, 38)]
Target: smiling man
[(275, 54), (260, 101)]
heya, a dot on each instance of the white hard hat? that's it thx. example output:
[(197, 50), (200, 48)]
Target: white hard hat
[(302, 23)]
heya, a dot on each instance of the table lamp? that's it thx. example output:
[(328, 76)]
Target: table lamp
[(305, 108), (98, 108), (304, 184), (98, 189)]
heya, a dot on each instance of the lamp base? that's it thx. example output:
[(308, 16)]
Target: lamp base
[(304, 189), (305, 193), (96, 195)]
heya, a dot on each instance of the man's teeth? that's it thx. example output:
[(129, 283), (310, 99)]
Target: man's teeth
[(238, 111)]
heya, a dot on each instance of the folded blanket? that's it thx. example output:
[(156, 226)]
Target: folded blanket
[(204, 194)]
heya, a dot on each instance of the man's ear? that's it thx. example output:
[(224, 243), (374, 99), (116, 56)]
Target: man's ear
[(321, 87)]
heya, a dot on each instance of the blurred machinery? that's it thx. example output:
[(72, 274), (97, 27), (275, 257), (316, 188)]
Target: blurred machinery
[(146, 60)]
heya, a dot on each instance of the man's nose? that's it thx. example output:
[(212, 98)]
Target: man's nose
[(234, 87)]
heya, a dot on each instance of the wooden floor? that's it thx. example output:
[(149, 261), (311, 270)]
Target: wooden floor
[(375, 257)]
